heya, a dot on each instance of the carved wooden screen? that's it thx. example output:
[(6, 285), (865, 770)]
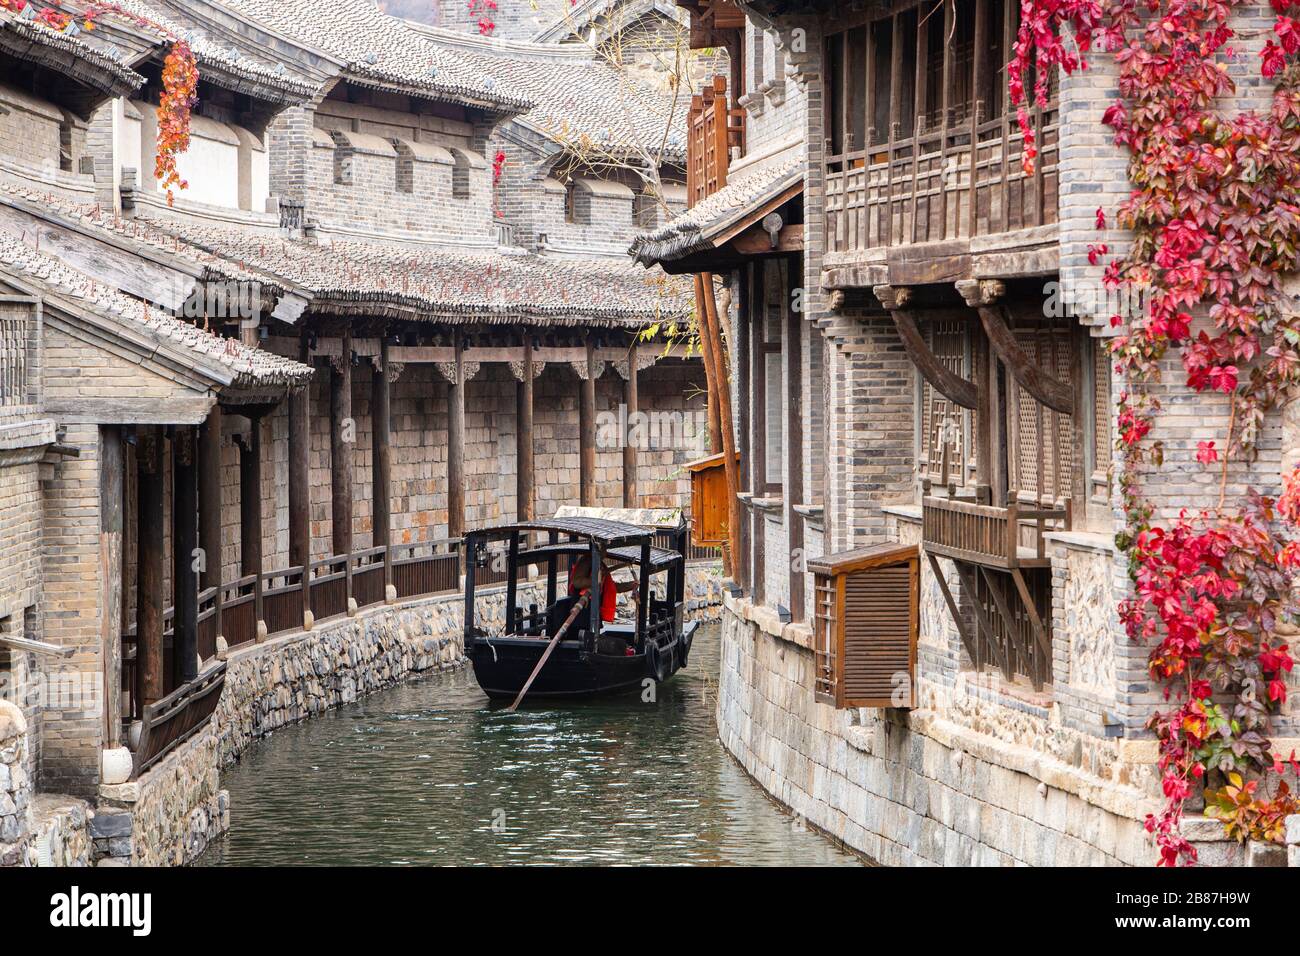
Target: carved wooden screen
[(1103, 418), (944, 424), (1040, 441)]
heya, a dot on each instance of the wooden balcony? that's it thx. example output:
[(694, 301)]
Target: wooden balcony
[(918, 189), (991, 536), (713, 128)]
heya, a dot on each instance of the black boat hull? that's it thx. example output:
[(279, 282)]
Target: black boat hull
[(502, 665)]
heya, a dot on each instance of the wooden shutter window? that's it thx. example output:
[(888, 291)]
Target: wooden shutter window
[(866, 617)]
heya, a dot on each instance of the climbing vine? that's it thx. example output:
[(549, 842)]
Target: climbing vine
[(180, 78), (484, 10), (1214, 213)]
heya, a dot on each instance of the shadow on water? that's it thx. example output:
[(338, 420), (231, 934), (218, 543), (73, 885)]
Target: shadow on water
[(430, 773)]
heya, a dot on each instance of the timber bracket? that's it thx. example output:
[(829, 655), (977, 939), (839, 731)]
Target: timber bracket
[(944, 380)]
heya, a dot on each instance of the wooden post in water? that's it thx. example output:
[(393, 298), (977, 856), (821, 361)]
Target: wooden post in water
[(149, 580)]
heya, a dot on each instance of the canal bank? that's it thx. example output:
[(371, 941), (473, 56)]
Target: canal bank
[(429, 773), (171, 813)]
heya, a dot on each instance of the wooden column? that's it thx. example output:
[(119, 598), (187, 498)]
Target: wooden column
[(456, 444), (342, 440), (250, 510), (794, 444), (112, 476), (630, 497), (209, 452), (300, 473), (526, 506), (587, 432), (185, 568), (149, 581), (382, 453)]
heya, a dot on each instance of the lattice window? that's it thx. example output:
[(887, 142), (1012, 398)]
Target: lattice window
[(1040, 441), (1103, 417), (946, 427)]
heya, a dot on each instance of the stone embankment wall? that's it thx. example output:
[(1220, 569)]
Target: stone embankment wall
[(169, 815), (15, 788), (966, 783)]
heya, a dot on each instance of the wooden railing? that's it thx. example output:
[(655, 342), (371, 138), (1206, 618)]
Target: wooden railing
[(713, 128), (990, 535), (177, 717), (918, 189)]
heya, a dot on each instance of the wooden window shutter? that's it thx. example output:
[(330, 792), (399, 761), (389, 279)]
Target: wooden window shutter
[(865, 623)]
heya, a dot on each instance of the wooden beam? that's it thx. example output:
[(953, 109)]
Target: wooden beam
[(630, 400), (381, 451), (112, 478), (587, 434), (945, 381), (756, 241), (185, 540), (250, 499), (525, 505), (1028, 372), (342, 441), (210, 497), (149, 580), (456, 445)]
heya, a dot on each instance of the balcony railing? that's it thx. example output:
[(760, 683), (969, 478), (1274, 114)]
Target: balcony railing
[(990, 535), (918, 189), (713, 128)]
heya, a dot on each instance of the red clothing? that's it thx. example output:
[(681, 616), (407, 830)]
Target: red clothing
[(608, 595)]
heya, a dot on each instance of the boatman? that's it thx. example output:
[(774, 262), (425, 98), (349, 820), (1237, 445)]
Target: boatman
[(580, 583)]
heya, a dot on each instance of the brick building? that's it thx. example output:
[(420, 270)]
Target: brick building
[(279, 396), (919, 377)]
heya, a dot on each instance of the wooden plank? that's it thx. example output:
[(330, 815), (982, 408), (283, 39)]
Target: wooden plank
[(630, 399), (149, 578), (456, 444), (587, 434), (185, 539), (524, 491), (342, 440)]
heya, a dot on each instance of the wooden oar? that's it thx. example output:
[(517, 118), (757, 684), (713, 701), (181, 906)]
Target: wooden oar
[(568, 621)]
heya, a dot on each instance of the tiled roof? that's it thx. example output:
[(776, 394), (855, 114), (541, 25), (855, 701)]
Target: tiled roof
[(383, 51), (243, 365), (91, 219), (423, 283), (580, 98), (35, 42), (226, 65), (694, 229)]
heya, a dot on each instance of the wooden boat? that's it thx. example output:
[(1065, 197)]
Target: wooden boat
[(592, 656)]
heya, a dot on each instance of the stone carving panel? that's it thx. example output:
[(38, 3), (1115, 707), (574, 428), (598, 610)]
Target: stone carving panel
[(1091, 623)]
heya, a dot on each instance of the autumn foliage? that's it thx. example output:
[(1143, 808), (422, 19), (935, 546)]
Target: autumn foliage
[(180, 79), (1214, 214)]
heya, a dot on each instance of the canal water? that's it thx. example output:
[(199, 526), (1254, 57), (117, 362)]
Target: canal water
[(430, 773)]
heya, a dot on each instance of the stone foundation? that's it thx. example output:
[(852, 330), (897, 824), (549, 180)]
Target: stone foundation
[(15, 786), (967, 783)]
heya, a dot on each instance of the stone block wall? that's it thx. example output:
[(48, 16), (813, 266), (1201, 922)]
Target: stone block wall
[(969, 783), (15, 785)]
